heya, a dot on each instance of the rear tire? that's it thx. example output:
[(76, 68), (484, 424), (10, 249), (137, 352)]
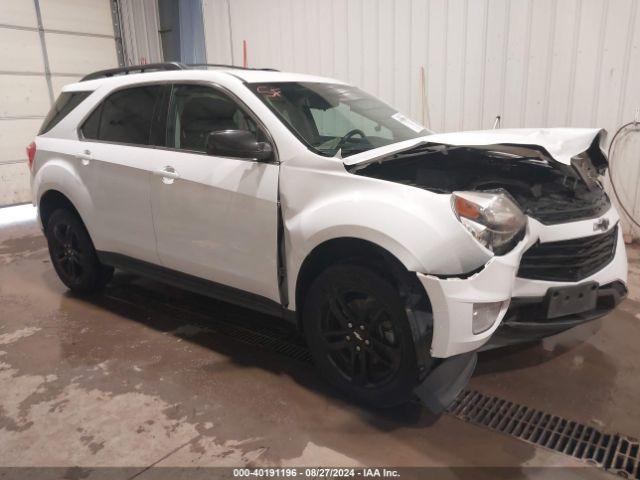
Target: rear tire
[(357, 330), (72, 253)]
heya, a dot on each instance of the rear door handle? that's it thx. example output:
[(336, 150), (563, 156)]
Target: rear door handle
[(84, 157), (168, 173)]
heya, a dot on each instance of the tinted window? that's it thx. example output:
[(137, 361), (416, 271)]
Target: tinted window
[(66, 102), (196, 111), (125, 116), (91, 125)]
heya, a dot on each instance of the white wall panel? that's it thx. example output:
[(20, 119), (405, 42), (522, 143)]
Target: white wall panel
[(57, 82), (78, 37), (15, 135), (73, 54), (19, 13), (20, 51), (534, 62), (23, 96), (14, 179), (88, 16)]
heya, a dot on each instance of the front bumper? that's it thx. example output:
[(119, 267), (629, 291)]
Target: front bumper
[(526, 319), (452, 298)]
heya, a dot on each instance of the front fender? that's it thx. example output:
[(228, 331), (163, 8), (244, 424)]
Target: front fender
[(421, 240)]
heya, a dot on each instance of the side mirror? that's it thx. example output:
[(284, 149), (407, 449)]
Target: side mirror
[(238, 144)]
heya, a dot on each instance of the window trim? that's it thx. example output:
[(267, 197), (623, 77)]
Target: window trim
[(172, 83)]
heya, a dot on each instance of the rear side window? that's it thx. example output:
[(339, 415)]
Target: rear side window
[(66, 102), (126, 116)]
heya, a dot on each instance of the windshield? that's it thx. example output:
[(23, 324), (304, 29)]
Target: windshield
[(331, 117)]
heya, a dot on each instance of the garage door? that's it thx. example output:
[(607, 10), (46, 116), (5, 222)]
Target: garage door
[(44, 44)]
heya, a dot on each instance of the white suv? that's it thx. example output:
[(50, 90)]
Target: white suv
[(398, 252)]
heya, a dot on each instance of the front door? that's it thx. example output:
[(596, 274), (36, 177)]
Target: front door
[(215, 217)]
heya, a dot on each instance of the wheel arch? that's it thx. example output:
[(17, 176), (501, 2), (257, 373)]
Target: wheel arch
[(52, 200), (358, 251)]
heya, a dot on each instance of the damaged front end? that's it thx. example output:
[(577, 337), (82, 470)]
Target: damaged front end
[(493, 178), (545, 189)]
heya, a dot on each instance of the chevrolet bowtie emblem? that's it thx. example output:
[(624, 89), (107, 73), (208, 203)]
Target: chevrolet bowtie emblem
[(601, 224)]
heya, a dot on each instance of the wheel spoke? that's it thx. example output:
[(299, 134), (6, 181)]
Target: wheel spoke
[(384, 350), (73, 240), (60, 233), (335, 333), (338, 344), (65, 264), (73, 267), (79, 268), (379, 358), (375, 317), (340, 310), (351, 363), (360, 367)]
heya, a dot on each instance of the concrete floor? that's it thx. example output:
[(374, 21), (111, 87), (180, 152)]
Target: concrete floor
[(138, 376)]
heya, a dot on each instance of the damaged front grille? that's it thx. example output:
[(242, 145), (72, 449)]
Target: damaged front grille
[(569, 260)]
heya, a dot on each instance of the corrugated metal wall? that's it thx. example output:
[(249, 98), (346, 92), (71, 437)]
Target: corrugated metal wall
[(140, 26), (44, 44), (534, 62)]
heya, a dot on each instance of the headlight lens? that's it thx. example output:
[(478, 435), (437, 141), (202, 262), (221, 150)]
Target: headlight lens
[(492, 218)]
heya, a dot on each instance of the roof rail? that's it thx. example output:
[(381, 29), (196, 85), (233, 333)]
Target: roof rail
[(158, 67), (149, 67), (224, 65)]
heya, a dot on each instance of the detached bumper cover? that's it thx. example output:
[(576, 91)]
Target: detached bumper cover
[(445, 382)]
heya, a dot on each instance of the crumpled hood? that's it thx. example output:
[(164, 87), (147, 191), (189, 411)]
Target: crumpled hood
[(561, 143)]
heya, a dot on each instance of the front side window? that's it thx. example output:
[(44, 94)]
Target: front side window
[(126, 116), (330, 117), (196, 111)]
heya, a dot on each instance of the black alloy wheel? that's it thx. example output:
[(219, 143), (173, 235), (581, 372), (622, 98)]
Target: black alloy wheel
[(73, 255), (361, 340), (67, 253), (358, 333)]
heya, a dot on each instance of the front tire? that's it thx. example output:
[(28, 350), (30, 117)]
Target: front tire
[(359, 336), (72, 254)]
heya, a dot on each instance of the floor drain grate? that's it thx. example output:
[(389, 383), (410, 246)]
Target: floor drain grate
[(614, 453)]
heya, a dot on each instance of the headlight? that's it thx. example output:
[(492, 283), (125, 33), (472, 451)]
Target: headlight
[(493, 218)]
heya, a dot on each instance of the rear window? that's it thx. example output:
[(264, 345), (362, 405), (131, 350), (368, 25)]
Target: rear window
[(125, 116), (65, 103)]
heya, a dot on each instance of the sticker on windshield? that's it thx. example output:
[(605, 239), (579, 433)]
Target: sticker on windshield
[(407, 122), (271, 92)]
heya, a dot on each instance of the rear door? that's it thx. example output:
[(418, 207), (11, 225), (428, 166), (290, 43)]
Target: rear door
[(117, 148), (215, 217)]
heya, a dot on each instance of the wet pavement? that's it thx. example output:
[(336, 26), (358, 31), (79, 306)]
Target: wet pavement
[(142, 375)]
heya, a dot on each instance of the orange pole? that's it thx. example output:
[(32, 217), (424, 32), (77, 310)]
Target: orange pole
[(244, 53)]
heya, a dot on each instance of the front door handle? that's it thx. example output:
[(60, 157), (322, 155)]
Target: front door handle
[(168, 174)]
